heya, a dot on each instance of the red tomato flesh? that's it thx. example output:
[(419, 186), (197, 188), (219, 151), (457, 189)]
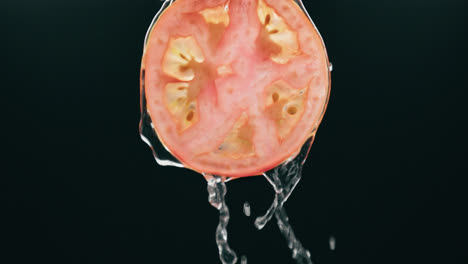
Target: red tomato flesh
[(234, 88)]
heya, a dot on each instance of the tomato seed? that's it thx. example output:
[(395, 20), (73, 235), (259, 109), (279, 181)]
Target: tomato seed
[(275, 97), (267, 19), (190, 116), (292, 110)]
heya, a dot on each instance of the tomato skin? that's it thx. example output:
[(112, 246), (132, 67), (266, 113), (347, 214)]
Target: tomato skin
[(222, 99)]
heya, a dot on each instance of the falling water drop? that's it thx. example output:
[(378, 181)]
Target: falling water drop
[(330, 66), (247, 208), (332, 242), (243, 260)]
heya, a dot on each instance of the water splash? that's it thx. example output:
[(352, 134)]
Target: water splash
[(216, 192), (148, 134), (284, 179)]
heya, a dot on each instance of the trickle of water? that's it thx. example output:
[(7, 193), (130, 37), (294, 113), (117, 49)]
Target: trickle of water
[(148, 134), (216, 192), (330, 66), (247, 208), (332, 242), (243, 260), (284, 179), (261, 221)]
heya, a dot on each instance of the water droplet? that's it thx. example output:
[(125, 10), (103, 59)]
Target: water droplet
[(332, 242), (243, 260), (330, 66), (247, 208)]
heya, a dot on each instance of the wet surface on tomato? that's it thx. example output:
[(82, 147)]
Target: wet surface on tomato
[(234, 87)]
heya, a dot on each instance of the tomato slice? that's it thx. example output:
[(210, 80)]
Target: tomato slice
[(235, 87)]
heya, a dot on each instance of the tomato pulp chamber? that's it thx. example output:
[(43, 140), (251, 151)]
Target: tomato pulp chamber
[(233, 88)]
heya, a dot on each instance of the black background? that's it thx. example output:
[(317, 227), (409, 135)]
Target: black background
[(384, 176)]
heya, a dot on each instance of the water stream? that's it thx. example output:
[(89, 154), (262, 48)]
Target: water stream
[(284, 179), (216, 192)]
